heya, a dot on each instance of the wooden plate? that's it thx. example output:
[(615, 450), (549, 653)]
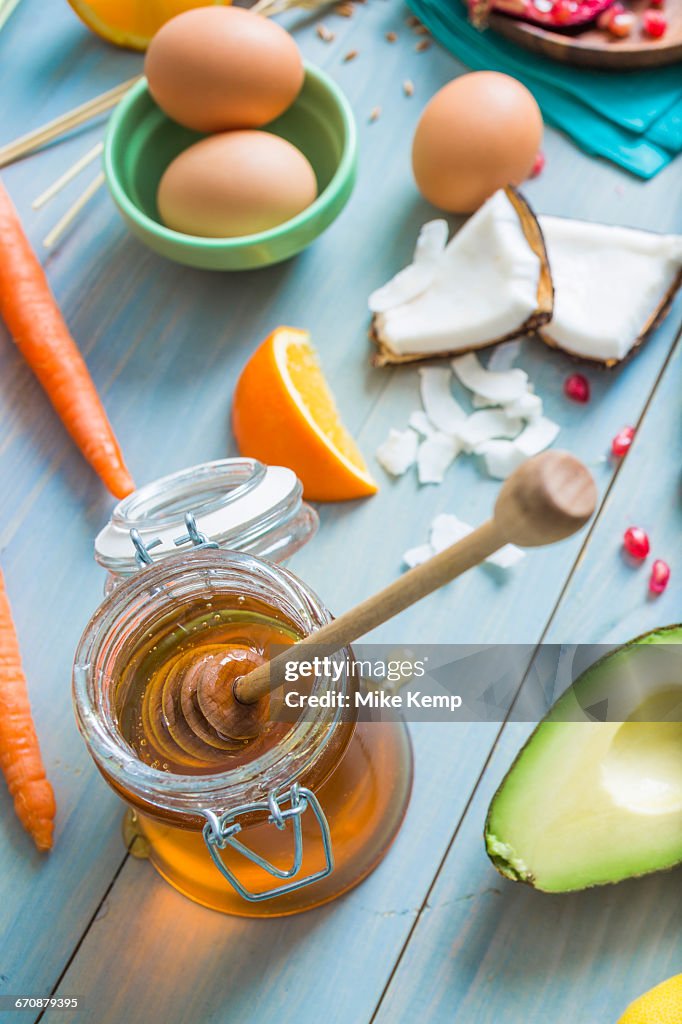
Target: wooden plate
[(596, 49)]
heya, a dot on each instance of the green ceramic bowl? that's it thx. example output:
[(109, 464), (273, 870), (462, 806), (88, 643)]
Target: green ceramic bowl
[(141, 141)]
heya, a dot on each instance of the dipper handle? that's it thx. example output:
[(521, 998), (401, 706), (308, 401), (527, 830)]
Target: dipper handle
[(546, 499)]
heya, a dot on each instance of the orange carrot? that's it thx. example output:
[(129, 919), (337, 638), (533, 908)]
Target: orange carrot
[(32, 315), (20, 758)]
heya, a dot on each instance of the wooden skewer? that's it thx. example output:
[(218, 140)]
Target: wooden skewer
[(99, 104), (268, 8), (68, 176), (64, 222), (6, 9), (546, 499), (64, 123)]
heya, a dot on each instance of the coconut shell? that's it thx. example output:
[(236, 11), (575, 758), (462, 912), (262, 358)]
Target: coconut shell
[(540, 316)]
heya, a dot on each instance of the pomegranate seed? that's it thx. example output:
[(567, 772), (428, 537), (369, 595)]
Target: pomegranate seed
[(604, 19), (621, 25), (538, 164), (654, 23), (622, 441), (562, 11), (660, 575), (636, 542), (577, 388)]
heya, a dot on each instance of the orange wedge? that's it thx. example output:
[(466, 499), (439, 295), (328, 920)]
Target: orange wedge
[(285, 414), (132, 23)]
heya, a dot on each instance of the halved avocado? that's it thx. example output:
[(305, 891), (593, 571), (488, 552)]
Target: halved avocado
[(595, 795)]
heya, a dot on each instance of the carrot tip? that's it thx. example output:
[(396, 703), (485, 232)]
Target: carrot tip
[(122, 488)]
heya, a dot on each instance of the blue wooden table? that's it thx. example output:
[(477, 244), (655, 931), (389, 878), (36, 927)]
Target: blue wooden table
[(435, 934)]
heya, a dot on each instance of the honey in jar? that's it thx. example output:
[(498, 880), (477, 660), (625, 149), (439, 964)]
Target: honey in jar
[(292, 813)]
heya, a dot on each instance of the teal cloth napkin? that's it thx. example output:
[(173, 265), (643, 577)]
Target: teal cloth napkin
[(633, 118)]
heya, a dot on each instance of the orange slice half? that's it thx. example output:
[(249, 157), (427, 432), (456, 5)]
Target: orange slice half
[(284, 414), (132, 23)]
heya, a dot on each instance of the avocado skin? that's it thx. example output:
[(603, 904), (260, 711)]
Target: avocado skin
[(671, 634)]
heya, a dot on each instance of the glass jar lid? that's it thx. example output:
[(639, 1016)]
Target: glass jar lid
[(237, 503)]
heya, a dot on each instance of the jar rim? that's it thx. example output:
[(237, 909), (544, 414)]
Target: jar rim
[(101, 642), (238, 503), (214, 485)]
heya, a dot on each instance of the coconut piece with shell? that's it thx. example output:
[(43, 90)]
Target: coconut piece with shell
[(613, 286), (491, 282)]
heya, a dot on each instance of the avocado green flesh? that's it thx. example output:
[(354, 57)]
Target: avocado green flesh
[(587, 803)]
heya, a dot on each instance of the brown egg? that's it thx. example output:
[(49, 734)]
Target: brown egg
[(479, 133), (216, 68), (237, 183)]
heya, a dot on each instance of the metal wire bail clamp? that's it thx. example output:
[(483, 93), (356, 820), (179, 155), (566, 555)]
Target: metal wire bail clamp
[(221, 831)]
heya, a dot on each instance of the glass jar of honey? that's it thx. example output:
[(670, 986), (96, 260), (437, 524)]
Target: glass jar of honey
[(288, 815)]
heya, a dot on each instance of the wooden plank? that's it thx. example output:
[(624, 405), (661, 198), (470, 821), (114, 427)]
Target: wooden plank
[(137, 348), (487, 950), (161, 339), (382, 911), (186, 963)]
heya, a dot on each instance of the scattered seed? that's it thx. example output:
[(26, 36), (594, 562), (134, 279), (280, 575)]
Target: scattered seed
[(538, 164), (408, 87), (421, 30), (660, 574), (391, 37), (375, 113), (345, 9), (620, 445), (577, 388), (412, 21), (325, 34), (636, 542), (422, 45), (351, 55), (621, 25), (654, 23)]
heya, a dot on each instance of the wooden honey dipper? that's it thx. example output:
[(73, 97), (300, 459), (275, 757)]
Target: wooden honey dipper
[(546, 499)]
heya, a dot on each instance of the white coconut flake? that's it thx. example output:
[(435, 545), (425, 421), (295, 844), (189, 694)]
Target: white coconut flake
[(479, 402), (435, 456), (485, 425), (507, 557), (439, 403), (498, 387), (501, 458), (537, 436), (433, 237), (504, 356), (527, 407), (415, 556), (398, 452), (420, 422), (408, 284), (415, 279), (447, 529)]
